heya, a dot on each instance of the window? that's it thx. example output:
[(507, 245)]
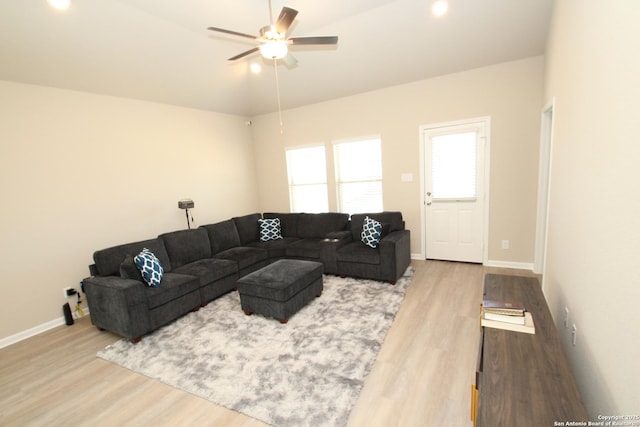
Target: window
[(307, 172), (359, 175)]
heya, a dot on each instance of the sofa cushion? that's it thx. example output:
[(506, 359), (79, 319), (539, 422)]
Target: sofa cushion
[(356, 252), (247, 227), (275, 248), (223, 235), (209, 270), (270, 229), (129, 269), (150, 267), (371, 232), (185, 246), (244, 256), (174, 285), (107, 261), (319, 225), (304, 248), (288, 222)]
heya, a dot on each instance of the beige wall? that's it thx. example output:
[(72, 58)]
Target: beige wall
[(80, 172), (594, 220), (510, 93)]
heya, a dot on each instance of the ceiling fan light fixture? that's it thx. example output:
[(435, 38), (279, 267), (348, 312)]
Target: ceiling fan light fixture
[(59, 4), (274, 49), (440, 7)]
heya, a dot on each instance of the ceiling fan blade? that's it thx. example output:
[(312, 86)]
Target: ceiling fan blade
[(243, 54), (314, 40), (287, 15), (289, 60), (235, 33)]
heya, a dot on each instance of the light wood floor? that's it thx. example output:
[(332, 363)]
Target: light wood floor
[(422, 375)]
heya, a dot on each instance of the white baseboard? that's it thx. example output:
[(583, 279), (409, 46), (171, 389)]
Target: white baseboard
[(12, 339), (509, 264), (492, 263)]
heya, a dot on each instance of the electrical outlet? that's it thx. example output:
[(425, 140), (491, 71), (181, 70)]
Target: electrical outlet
[(566, 317), (574, 334), (65, 292), (505, 244)]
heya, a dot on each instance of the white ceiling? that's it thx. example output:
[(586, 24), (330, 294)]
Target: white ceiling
[(161, 50)]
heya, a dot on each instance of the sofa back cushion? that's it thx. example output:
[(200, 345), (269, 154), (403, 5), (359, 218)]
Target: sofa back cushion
[(391, 221), (247, 227), (107, 261), (223, 235), (320, 224), (185, 246), (288, 222)]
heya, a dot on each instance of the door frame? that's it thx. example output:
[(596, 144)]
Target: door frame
[(544, 181), (487, 174)]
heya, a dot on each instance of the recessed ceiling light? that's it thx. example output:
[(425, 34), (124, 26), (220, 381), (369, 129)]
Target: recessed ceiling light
[(440, 7), (255, 67), (59, 4)]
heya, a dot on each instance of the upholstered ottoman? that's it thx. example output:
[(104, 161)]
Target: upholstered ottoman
[(280, 289)]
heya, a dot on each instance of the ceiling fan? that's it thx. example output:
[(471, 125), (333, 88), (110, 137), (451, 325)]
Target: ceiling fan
[(274, 43)]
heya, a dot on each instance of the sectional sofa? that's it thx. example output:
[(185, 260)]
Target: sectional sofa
[(202, 264)]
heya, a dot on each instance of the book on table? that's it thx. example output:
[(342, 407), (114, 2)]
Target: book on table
[(506, 308), (516, 319), (528, 326), (509, 315)]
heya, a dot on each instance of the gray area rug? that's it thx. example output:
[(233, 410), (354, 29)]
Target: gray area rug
[(307, 372)]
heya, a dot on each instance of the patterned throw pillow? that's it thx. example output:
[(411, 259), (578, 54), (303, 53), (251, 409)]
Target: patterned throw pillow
[(371, 232), (270, 229), (150, 267)]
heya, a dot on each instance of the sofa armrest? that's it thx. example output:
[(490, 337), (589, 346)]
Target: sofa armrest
[(395, 254), (118, 305), (329, 247)]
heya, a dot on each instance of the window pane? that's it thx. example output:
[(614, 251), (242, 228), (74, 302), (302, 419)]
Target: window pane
[(361, 197), (309, 198), (453, 166), (307, 179), (307, 165), (358, 161)]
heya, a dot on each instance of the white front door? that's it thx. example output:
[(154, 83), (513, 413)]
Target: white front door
[(454, 168)]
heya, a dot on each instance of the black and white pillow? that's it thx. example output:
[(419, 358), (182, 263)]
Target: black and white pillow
[(150, 267), (270, 229), (371, 232)]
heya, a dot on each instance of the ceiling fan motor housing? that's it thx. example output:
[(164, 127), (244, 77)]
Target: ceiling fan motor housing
[(268, 33)]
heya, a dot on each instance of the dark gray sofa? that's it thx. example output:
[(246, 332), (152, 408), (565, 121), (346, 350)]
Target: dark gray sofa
[(120, 302), (387, 262), (205, 263), (303, 234)]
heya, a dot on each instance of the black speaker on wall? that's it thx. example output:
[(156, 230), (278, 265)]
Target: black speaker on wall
[(68, 318)]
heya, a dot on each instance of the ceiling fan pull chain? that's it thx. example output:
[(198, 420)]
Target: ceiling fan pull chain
[(275, 65)]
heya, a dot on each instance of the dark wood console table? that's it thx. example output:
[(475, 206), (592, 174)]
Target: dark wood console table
[(522, 379)]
